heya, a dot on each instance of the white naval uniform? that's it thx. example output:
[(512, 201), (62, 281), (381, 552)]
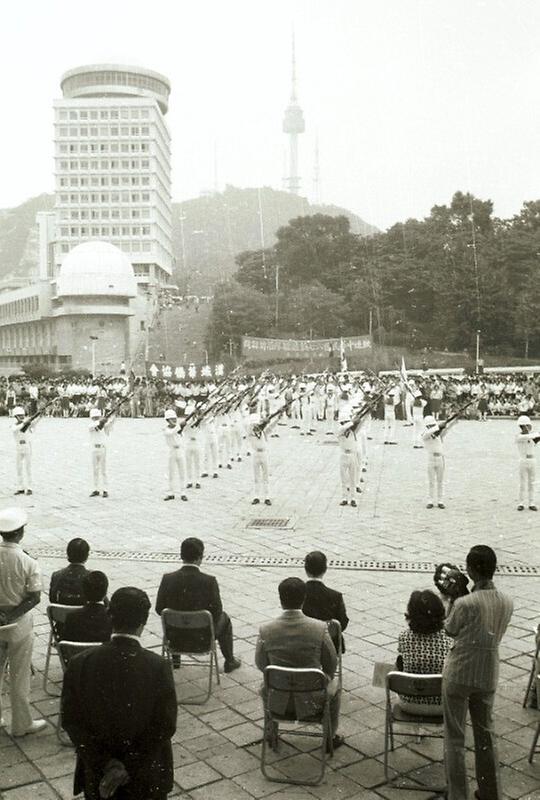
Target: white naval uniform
[(259, 449), (237, 433), (389, 428), (191, 437), (224, 440), (307, 414), (527, 466), (98, 443), (211, 448), (408, 402), (418, 421), (176, 463), (434, 447), (23, 454), (348, 463)]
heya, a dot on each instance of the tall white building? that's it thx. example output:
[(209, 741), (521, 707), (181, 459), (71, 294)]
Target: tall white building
[(113, 166), (107, 247)]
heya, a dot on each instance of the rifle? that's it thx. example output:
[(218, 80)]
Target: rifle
[(455, 415), (358, 417), (114, 409), (259, 428), (28, 421)]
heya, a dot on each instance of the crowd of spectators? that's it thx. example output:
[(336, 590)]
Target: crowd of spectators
[(498, 395)]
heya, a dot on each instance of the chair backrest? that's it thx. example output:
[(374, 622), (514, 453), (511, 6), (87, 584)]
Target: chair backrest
[(413, 685), (298, 692), (188, 631), (57, 614), (66, 650), (334, 629)]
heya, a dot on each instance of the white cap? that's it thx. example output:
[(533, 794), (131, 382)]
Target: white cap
[(430, 421), (95, 413), (18, 411), (11, 519), (170, 414), (524, 420)]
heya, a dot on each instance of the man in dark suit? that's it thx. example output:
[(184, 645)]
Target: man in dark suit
[(119, 708), (189, 589), (66, 583), (322, 602), (295, 640), (92, 623)]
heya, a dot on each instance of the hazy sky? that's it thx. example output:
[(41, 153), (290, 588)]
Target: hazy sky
[(411, 99)]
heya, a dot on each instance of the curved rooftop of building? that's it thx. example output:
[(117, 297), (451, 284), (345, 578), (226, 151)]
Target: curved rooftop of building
[(96, 269), (116, 80)]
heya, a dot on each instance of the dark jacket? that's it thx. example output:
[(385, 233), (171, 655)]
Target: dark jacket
[(189, 589), (324, 603), (119, 701), (66, 585), (89, 624)]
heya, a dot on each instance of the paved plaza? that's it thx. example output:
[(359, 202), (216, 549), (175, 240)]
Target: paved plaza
[(381, 551)]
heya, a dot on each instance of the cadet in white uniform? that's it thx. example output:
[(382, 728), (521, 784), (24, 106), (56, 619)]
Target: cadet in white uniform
[(23, 449), (433, 444), (258, 443), (211, 447), (177, 461), (348, 463), (389, 428), (526, 440), (191, 437), (418, 420), (99, 433)]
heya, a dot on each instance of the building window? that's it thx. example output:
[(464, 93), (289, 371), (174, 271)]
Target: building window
[(144, 113), (84, 114), (104, 231), (135, 197), (135, 231), (104, 114), (134, 113), (93, 115), (95, 231), (94, 131), (142, 325), (114, 113), (135, 130), (145, 181), (73, 231), (63, 115), (135, 181), (145, 130), (146, 230), (84, 130), (146, 247), (145, 163), (105, 198), (145, 197), (64, 231)]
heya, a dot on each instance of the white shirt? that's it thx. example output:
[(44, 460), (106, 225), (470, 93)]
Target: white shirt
[(19, 575), (525, 444)]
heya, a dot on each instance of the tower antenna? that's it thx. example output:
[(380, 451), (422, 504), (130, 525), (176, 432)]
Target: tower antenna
[(293, 125)]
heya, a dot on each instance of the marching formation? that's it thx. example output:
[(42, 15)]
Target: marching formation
[(234, 420)]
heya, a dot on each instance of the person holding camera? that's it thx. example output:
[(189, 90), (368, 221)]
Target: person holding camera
[(476, 623)]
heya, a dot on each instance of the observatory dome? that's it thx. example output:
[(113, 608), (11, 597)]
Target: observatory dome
[(96, 268)]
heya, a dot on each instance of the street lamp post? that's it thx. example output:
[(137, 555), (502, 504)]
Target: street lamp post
[(277, 295), (93, 339), (478, 350)]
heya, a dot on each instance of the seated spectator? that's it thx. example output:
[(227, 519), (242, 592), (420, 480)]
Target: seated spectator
[(423, 648), (93, 622), (189, 589), (295, 640), (119, 709), (66, 584), (322, 602)]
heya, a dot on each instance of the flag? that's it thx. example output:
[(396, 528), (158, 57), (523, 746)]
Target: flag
[(342, 356), (404, 377)]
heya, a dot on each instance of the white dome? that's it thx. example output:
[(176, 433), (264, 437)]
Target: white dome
[(96, 268)]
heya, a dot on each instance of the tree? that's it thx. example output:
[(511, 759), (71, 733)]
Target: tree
[(257, 269), (312, 311), (237, 311)]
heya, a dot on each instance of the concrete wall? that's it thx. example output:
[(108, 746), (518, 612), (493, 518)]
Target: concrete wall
[(112, 345)]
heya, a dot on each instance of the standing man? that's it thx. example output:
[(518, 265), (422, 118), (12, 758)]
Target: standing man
[(119, 709), (348, 462), (526, 441), (389, 427), (20, 591), (433, 444), (477, 623), (100, 428), (23, 428), (258, 445), (177, 462)]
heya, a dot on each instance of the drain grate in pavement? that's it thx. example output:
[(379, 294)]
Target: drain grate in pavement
[(246, 560), (269, 522)]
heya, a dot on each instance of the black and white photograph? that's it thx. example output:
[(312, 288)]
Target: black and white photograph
[(270, 400)]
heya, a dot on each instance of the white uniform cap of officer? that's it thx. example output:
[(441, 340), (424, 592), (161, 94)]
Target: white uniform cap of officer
[(95, 413), (18, 411), (170, 414), (524, 420), (11, 519), (430, 421)]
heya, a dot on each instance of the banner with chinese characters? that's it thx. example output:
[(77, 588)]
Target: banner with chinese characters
[(257, 347), (184, 372)]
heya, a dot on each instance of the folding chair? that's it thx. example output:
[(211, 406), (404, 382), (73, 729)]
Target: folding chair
[(334, 629), (532, 677), (66, 650), (416, 686), (57, 615), (192, 634), (537, 732), (296, 695)]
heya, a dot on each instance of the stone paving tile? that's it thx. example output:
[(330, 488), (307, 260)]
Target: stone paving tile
[(214, 747)]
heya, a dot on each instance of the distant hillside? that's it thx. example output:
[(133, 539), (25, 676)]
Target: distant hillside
[(215, 228)]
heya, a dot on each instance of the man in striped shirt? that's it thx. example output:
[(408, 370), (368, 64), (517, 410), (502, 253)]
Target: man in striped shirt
[(477, 623)]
